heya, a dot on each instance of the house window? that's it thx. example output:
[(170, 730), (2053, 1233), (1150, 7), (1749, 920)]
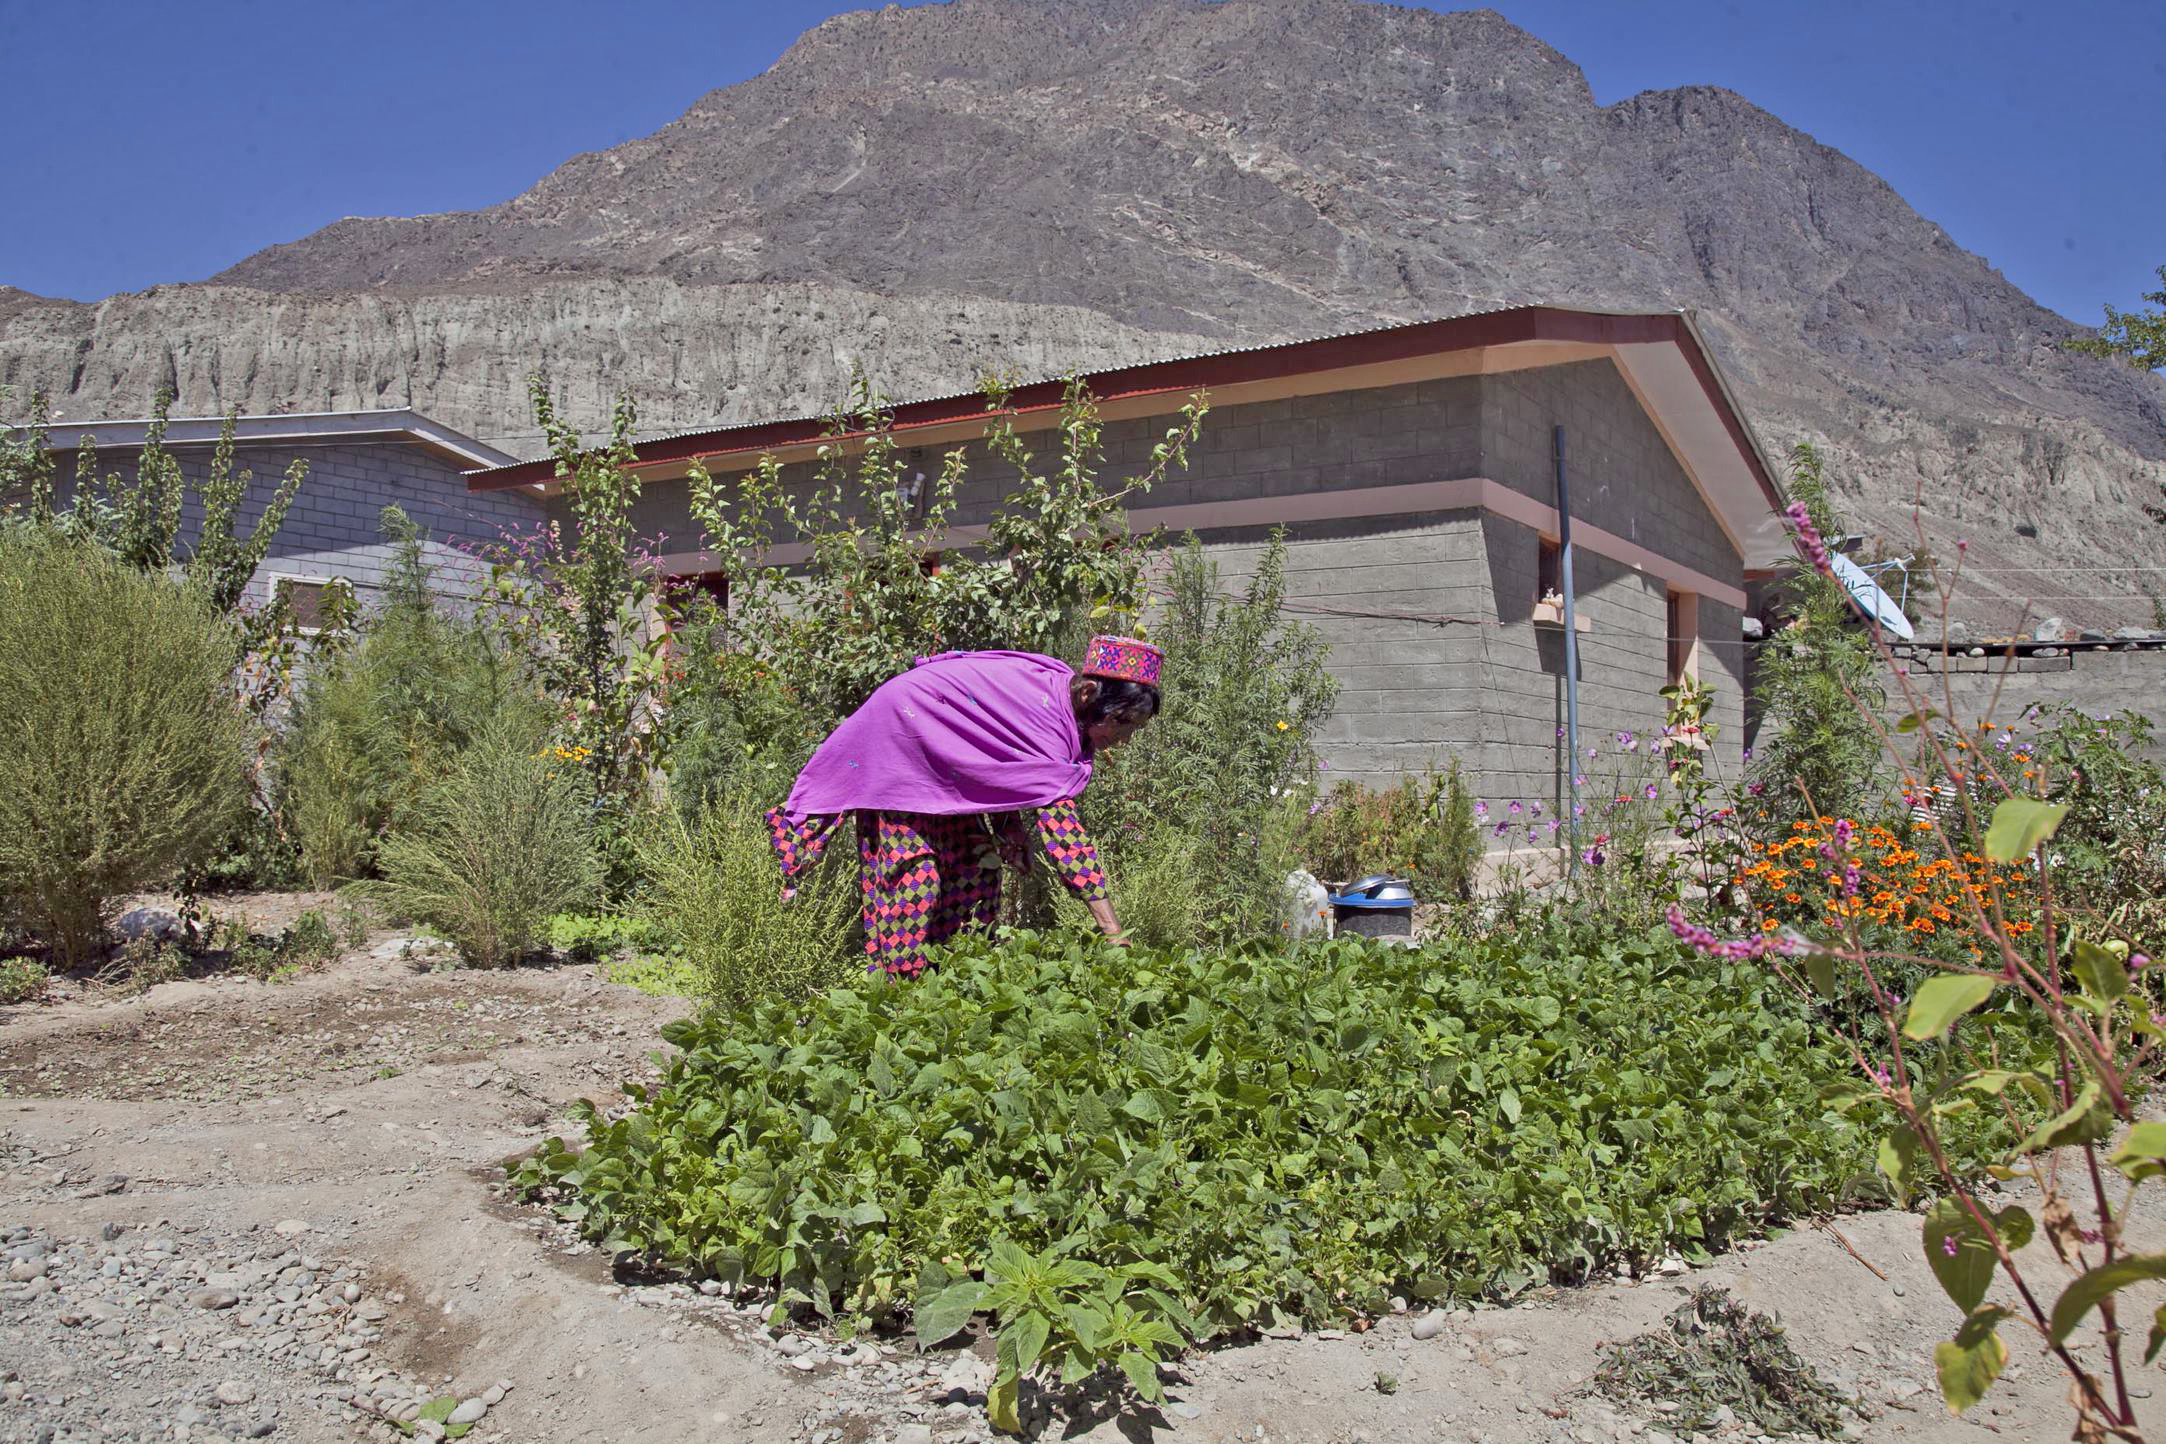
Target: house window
[(715, 586), (1683, 632), (309, 598), (1549, 572)]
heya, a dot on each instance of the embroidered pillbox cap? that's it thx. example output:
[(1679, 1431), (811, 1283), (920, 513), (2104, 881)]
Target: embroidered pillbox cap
[(1124, 658)]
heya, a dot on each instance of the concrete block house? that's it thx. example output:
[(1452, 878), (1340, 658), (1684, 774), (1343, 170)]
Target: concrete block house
[(1415, 471), (359, 462)]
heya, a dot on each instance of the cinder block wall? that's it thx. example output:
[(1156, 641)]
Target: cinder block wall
[(1428, 617), (333, 530)]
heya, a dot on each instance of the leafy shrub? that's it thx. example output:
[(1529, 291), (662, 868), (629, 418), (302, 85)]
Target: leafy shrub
[(1245, 691), (22, 980), (125, 761), (713, 891), (1422, 830), (378, 725), (1153, 885), (1819, 743), (309, 940), (492, 852), (1208, 1140), (590, 937), (730, 728)]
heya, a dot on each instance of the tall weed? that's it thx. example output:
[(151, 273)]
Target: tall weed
[(493, 851), (713, 890), (380, 724), (1232, 747)]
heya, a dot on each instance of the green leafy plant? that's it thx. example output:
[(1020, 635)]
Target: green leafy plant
[(881, 586), (591, 937), (309, 941), (382, 720), (1715, 1353), (1232, 753), (22, 980), (1931, 1060), (1112, 1150), (126, 760), (713, 893), (1421, 830), (493, 851), (1819, 744), (2139, 336), (580, 604)]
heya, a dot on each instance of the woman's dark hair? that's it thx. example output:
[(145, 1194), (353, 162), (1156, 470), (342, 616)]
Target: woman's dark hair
[(1117, 700)]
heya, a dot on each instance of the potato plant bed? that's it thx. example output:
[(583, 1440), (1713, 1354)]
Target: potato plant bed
[(1113, 1151)]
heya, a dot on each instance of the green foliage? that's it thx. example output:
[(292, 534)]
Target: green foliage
[(126, 755), (1152, 882), (2140, 336), (1421, 830), (309, 940), (379, 723), (493, 851), (26, 467), (22, 980), (2112, 842), (1057, 557), (713, 892), (223, 561), (1233, 746), (1091, 1141), (579, 606), (591, 937), (1715, 1352), (1818, 680), (730, 729)]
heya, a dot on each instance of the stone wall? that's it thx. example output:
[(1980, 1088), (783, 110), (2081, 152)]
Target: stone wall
[(2004, 688)]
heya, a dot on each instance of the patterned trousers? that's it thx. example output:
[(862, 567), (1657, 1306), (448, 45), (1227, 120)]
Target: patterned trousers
[(925, 878)]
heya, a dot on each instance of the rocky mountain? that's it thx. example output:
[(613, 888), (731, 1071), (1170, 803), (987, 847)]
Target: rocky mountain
[(1036, 184)]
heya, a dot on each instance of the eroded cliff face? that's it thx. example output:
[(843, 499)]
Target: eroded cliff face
[(692, 355), (1040, 185)]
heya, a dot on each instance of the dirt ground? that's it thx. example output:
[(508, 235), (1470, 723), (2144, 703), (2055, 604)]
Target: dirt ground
[(236, 1209)]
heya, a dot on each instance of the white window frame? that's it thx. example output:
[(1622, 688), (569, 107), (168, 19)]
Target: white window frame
[(272, 579)]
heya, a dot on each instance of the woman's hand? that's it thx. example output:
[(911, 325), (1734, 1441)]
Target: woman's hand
[(1108, 924)]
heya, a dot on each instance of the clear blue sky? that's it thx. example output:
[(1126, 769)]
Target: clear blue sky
[(156, 142)]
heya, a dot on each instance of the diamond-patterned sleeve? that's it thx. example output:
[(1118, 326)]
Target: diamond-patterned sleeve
[(1069, 848), (798, 845)]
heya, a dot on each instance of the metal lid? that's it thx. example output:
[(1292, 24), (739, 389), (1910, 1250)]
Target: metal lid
[(1377, 891)]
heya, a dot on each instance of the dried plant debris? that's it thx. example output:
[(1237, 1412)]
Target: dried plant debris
[(1715, 1352)]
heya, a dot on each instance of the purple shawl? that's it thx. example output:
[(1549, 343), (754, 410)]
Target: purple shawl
[(963, 732)]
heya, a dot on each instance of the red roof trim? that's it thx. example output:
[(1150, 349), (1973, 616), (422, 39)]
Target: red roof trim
[(1189, 374)]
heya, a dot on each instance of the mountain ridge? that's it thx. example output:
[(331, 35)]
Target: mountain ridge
[(1226, 173)]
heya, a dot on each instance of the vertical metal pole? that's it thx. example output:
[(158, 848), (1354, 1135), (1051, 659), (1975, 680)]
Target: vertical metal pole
[(1571, 657)]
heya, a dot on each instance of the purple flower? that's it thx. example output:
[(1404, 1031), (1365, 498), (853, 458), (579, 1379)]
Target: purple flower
[(1593, 753), (1700, 939), (1515, 809), (1579, 809), (1316, 807), (1650, 792), (1534, 834), (1481, 810), (1748, 754), (1553, 824), (1591, 856), (1502, 828), (1579, 779), (1537, 807), (1560, 731), (1806, 536), (1755, 789), (1624, 740)]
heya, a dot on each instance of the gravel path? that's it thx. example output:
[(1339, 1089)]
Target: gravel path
[(234, 1210)]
